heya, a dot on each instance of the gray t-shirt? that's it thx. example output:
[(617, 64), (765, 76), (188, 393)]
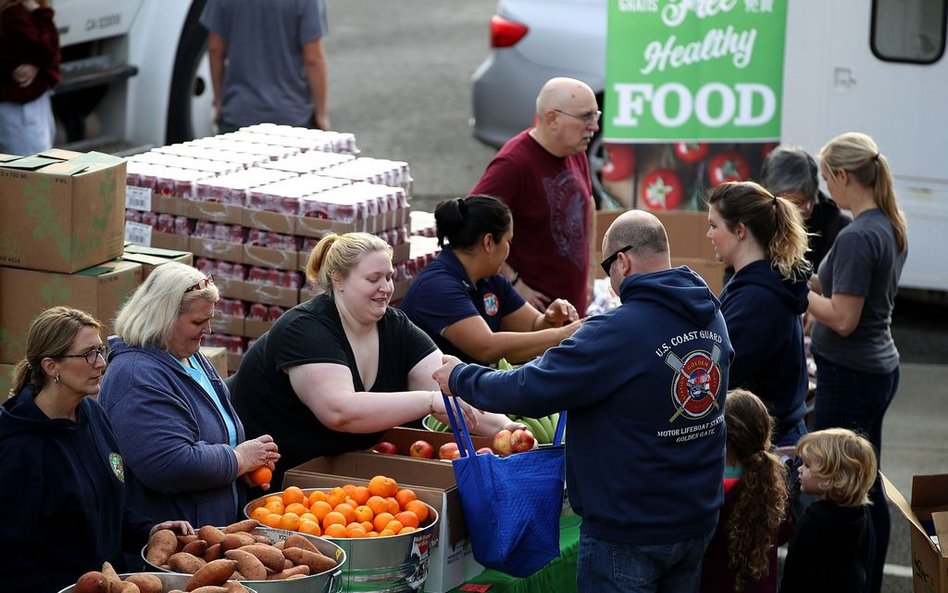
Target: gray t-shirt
[(864, 261), (265, 80)]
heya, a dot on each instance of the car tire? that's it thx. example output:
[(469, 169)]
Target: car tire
[(191, 98)]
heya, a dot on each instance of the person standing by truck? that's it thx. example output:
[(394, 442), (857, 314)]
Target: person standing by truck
[(29, 69), (267, 62)]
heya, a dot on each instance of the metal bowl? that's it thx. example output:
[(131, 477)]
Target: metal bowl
[(394, 563), (329, 581), (169, 581)]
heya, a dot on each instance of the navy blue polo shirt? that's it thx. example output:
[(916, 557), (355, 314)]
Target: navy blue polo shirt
[(443, 294)]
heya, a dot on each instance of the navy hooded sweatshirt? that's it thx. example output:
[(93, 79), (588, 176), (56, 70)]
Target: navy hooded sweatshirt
[(62, 492), (644, 385), (764, 319)]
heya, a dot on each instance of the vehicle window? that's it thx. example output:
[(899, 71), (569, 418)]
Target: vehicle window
[(908, 30)]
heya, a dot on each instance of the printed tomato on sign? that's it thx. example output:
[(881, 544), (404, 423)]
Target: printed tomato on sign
[(662, 190), (728, 166), (690, 152)]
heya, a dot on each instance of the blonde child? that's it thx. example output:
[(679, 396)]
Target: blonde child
[(831, 546), (742, 555)]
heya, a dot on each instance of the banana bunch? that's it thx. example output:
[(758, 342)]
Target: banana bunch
[(543, 429)]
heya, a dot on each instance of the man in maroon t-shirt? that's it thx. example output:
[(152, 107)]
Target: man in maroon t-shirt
[(542, 174)]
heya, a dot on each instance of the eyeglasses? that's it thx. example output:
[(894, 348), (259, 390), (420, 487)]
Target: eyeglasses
[(588, 118), (92, 356), (607, 263), (202, 284)]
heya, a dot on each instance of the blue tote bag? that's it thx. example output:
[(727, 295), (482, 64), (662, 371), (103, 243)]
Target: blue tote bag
[(512, 505)]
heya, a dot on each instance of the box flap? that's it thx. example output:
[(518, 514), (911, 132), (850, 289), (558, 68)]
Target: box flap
[(155, 251), (899, 501), (30, 163), (60, 154), (930, 492), (109, 267), (941, 528)]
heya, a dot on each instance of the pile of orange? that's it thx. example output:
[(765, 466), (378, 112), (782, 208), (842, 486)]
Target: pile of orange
[(379, 509)]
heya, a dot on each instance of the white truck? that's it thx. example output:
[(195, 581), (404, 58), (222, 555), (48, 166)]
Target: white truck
[(135, 74)]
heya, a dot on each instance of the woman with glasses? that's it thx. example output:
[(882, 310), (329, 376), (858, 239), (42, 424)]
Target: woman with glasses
[(61, 468), (335, 372), (179, 433), (464, 303), (763, 238)]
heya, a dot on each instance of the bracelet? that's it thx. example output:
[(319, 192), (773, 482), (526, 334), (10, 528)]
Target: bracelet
[(515, 279), (431, 403)]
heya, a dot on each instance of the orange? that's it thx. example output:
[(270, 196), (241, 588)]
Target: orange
[(364, 513), (310, 527), (320, 508), (383, 486), (406, 529), (394, 526), (386, 532), (307, 516), (347, 510), (349, 489), (419, 508), (293, 494), (357, 532), (290, 521), (276, 506), (372, 534), (297, 508), (272, 520), (259, 513), (317, 495), (273, 497), (336, 530), (336, 495), (407, 518), (361, 494), (392, 505), (403, 496), (333, 518), (368, 526), (261, 475), (381, 520), (377, 504)]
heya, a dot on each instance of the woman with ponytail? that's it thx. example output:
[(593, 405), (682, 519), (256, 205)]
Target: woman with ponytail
[(856, 359), (763, 238), (742, 555)]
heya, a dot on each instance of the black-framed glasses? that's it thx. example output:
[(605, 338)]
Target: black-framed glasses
[(92, 356), (587, 118), (607, 263), (208, 281)]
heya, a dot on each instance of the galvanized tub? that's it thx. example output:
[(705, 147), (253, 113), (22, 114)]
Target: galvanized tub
[(390, 564), (330, 581), (169, 581)]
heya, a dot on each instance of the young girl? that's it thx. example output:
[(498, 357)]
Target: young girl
[(830, 548), (742, 555)]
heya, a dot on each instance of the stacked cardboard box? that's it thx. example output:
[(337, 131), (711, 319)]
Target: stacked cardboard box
[(927, 516)]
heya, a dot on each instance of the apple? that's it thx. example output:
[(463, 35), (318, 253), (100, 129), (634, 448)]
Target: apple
[(501, 443), (422, 450), (522, 440), (449, 451), (485, 450), (386, 447)]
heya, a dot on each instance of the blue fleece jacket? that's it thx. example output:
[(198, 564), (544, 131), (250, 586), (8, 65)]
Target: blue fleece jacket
[(62, 488), (764, 319), (173, 436), (645, 386)]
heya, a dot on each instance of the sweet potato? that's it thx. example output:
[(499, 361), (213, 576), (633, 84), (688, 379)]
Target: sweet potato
[(185, 563), (147, 583), (232, 541), (196, 548), (249, 565), (270, 556), (210, 589), (262, 539), (234, 587), (317, 563), (286, 573), (246, 526), (124, 587), (213, 553), (215, 572), (184, 540), (161, 545), (212, 535), (298, 541), (92, 582)]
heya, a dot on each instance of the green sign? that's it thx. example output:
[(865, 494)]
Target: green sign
[(694, 70)]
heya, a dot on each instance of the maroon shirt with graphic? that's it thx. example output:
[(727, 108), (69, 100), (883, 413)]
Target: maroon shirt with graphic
[(550, 198)]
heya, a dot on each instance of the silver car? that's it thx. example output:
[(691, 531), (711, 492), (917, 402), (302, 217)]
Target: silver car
[(533, 41)]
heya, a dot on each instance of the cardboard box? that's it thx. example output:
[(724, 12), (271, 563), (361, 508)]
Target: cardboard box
[(215, 211), (152, 257), (929, 496), (281, 259), (404, 437), (268, 221), (24, 294), (168, 241), (216, 249), (687, 232), (257, 293), (451, 560), (217, 357), (6, 380), (254, 328), (62, 211), (233, 362), (230, 325)]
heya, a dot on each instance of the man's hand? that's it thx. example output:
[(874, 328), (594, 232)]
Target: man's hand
[(24, 74), (443, 375), (559, 312)]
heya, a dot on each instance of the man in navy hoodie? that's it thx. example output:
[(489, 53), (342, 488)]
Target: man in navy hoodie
[(645, 386)]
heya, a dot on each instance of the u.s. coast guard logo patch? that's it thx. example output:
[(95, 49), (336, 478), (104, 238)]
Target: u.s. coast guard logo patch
[(696, 383), (491, 306), (117, 465)]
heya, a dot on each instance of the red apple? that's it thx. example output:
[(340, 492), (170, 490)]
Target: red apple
[(485, 450), (522, 440), (422, 449), (501, 443), (387, 448), (449, 451)]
